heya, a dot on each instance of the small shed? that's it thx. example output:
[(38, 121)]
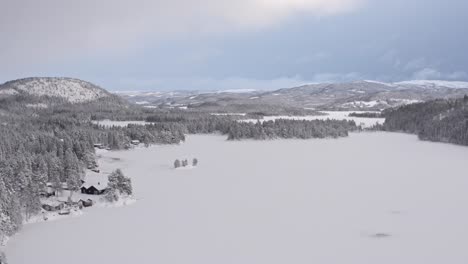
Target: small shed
[(48, 192), (99, 146), (53, 206), (85, 203), (65, 211), (135, 142)]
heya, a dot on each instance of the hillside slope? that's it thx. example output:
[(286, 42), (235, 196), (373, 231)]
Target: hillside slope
[(72, 90), (360, 95)]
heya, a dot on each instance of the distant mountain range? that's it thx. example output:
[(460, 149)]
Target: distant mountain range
[(360, 95)]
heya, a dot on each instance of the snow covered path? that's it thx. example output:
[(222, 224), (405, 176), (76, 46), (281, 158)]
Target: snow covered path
[(370, 198)]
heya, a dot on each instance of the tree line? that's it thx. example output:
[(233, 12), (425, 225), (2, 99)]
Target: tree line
[(442, 120), (366, 114), (288, 128)]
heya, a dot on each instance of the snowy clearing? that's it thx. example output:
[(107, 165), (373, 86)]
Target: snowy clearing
[(338, 115), (229, 114), (110, 123), (281, 201)]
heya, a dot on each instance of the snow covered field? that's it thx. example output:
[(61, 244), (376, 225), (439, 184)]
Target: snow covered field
[(339, 115), (370, 198), (110, 123)]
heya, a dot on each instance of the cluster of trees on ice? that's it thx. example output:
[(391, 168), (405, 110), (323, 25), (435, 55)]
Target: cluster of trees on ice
[(439, 120), (184, 163)]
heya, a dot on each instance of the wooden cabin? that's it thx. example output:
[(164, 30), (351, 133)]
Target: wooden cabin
[(94, 183), (95, 189)]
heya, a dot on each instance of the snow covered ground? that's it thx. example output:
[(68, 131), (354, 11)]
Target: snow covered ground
[(110, 123), (229, 114), (370, 198), (339, 115)]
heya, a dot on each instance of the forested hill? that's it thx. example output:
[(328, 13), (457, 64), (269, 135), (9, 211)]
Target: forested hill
[(51, 90), (438, 120)]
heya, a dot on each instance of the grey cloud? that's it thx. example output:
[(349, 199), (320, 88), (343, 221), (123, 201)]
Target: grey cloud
[(433, 74), (33, 30)]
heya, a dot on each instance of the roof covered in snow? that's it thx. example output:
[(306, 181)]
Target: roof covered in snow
[(98, 180)]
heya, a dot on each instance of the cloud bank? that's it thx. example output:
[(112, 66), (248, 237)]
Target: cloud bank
[(48, 29)]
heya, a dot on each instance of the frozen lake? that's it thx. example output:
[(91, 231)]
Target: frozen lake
[(369, 198)]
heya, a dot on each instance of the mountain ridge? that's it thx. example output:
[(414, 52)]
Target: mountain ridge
[(358, 95)]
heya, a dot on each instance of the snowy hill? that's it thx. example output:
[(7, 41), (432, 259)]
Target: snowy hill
[(358, 95), (435, 84), (72, 90)]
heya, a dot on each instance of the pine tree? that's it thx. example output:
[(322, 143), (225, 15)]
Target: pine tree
[(3, 259), (54, 175), (41, 173), (194, 162), (176, 163), (118, 184), (72, 171), (30, 200)]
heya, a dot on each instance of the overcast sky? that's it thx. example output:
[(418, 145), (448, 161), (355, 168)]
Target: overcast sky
[(225, 44)]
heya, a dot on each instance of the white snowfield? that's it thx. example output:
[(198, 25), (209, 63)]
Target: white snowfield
[(382, 103), (229, 114), (435, 83), (111, 123), (337, 115), (371, 198)]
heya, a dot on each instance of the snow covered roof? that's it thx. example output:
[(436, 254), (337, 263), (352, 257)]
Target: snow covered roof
[(52, 202), (98, 180)]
